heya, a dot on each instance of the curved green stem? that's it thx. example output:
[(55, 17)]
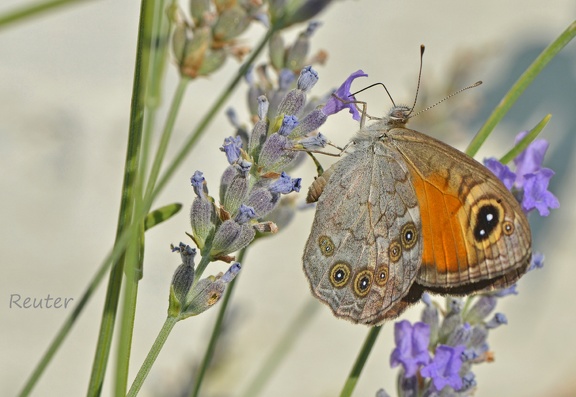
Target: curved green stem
[(152, 355), (518, 88), (360, 362), (216, 330)]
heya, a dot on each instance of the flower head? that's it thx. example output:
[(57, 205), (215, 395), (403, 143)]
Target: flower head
[(530, 178), (411, 346), (445, 367)]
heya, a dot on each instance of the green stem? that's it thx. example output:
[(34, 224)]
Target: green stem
[(216, 330), (360, 362), (152, 355), (133, 272), (33, 10), (160, 27), (524, 142), (518, 88), (127, 206), (282, 348)]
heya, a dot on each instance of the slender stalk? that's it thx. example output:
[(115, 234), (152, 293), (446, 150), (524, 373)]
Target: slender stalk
[(160, 27), (524, 142), (216, 330), (282, 348), (360, 362), (152, 355), (127, 201), (518, 88), (33, 10)]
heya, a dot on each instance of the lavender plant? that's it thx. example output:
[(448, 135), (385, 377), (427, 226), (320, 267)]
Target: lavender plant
[(436, 354)]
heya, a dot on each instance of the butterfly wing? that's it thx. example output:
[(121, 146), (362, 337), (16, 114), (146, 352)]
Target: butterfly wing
[(476, 236), (364, 250)]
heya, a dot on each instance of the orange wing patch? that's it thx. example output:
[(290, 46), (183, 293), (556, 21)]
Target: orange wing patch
[(445, 253)]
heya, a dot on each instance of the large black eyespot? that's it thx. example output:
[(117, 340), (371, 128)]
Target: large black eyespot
[(363, 282), (487, 219), (339, 274), (409, 235), (326, 245)]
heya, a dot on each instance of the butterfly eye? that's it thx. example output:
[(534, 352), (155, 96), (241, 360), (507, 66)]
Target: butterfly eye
[(339, 274), (326, 245), (363, 282), (409, 235)]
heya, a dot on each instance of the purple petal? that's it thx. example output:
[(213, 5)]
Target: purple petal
[(445, 367), (501, 171), (536, 194), (411, 346), (334, 105), (530, 160)]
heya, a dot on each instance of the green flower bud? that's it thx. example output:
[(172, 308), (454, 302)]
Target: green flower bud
[(231, 23)]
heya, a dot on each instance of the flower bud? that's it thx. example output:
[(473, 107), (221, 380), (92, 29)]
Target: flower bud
[(203, 217), (182, 279), (230, 237), (231, 23)]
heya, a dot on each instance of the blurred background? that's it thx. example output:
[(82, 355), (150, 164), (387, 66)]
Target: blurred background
[(65, 86)]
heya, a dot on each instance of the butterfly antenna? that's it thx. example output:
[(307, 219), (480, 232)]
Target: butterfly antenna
[(476, 84), (373, 85), (422, 48)]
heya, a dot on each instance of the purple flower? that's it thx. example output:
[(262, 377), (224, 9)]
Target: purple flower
[(285, 184), (445, 367), (314, 142), (307, 79), (511, 290), (288, 124), (199, 184), (231, 147), (536, 194), (530, 177), (496, 321), (501, 171), (537, 261), (531, 159), (411, 346), (245, 213), (334, 105)]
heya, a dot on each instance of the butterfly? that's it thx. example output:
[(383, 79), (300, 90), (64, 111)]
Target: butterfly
[(405, 213)]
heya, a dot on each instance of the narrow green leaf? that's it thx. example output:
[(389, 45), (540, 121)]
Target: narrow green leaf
[(523, 144), (161, 214), (518, 88)]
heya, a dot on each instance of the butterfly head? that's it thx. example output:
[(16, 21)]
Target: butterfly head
[(398, 116)]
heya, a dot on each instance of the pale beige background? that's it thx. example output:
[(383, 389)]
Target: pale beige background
[(65, 84)]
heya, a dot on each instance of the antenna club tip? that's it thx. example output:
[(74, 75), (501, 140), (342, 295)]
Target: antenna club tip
[(422, 48), (477, 83)]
